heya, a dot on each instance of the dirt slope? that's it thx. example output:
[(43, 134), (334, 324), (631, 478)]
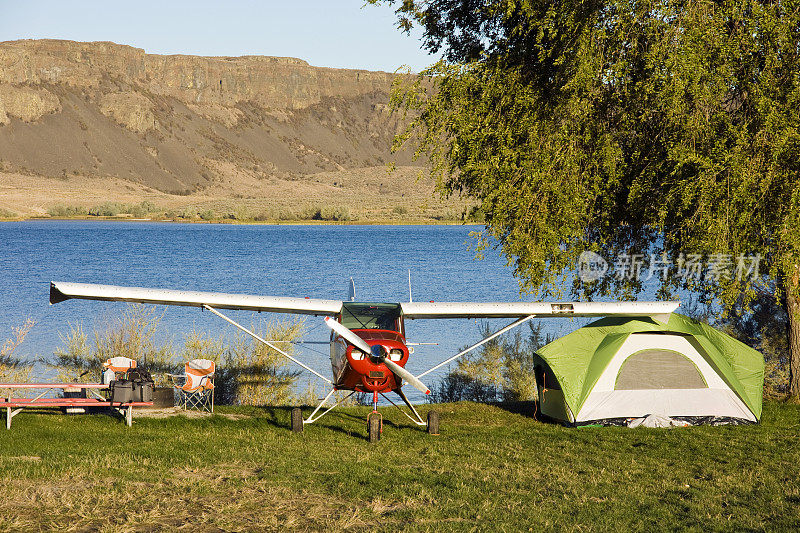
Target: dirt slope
[(93, 115)]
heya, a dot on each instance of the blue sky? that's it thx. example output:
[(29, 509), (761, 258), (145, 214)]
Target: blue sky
[(332, 33)]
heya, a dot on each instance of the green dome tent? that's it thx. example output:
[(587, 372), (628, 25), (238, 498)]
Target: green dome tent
[(623, 367)]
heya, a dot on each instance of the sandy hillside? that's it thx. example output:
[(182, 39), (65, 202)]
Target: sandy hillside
[(86, 123)]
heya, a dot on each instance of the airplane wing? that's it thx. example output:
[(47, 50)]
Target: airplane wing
[(61, 291), (658, 310)]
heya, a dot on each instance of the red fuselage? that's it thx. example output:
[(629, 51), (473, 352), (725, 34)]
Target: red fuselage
[(355, 370)]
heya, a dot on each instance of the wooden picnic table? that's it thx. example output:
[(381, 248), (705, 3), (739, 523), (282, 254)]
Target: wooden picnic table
[(15, 405)]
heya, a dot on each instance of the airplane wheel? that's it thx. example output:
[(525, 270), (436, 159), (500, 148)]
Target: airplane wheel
[(433, 422), (297, 420), (374, 428)]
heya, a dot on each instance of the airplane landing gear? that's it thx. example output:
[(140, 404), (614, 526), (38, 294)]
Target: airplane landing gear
[(374, 426), (374, 421), (375, 418), (433, 423), (297, 420)]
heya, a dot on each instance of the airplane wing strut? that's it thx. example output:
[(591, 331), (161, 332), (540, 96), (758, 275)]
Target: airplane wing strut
[(258, 338), (479, 343)]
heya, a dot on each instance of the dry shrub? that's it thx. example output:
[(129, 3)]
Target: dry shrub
[(248, 372), (132, 334), (106, 209), (12, 369), (60, 210), (312, 395), (501, 371), (75, 359), (260, 373)]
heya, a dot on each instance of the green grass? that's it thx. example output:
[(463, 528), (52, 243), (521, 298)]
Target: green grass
[(489, 469)]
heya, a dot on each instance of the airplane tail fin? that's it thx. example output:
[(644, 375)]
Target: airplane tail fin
[(352, 291)]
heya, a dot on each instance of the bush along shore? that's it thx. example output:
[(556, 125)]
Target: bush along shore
[(337, 214)]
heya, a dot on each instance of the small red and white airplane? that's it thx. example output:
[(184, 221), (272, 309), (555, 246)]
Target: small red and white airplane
[(368, 346)]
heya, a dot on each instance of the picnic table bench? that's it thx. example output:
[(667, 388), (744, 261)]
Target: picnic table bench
[(14, 406)]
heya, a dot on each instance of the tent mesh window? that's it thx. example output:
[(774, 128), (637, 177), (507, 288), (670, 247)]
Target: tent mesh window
[(659, 369)]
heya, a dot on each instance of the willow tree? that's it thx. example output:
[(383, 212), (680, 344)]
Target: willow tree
[(620, 127)]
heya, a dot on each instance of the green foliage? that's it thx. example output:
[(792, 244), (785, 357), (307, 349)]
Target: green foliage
[(240, 213), (328, 213), (448, 215), (618, 126), (5, 213), (285, 214), (570, 121), (67, 211), (207, 214), (142, 209), (75, 359), (476, 214), (503, 370), (761, 323), (107, 209), (335, 213), (188, 213)]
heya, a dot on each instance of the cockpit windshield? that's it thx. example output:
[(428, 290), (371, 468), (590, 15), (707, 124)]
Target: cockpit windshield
[(371, 316)]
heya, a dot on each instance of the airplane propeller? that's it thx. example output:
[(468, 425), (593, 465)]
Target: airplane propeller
[(376, 352)]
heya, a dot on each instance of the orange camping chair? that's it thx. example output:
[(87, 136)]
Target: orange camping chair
[(115, 366), (196, 385)]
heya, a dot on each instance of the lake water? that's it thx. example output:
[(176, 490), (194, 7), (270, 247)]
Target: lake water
[(313, 261)]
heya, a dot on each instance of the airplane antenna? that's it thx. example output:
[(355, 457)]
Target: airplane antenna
[(409, 286), (352, 291)]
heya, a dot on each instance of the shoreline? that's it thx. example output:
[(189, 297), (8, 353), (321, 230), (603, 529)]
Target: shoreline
[(368, 197), (364, 222)]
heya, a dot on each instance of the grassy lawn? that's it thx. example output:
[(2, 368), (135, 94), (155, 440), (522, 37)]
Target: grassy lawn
[(489, 469)]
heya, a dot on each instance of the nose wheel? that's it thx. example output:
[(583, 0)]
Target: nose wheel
[(374, 426), (374, 421)]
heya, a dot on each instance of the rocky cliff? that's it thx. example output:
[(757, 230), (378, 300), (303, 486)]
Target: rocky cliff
[(180, 123)]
